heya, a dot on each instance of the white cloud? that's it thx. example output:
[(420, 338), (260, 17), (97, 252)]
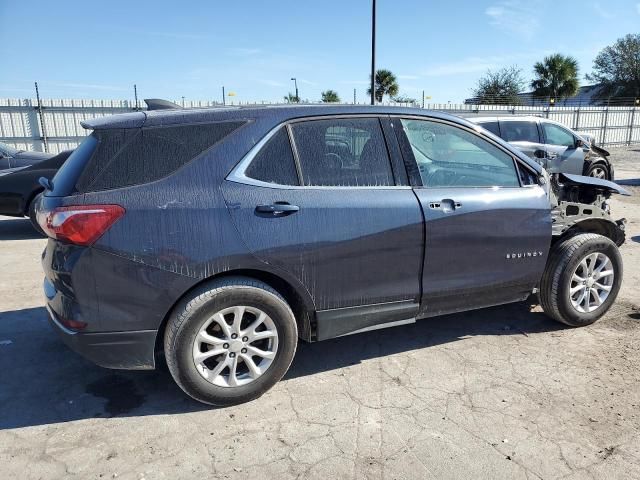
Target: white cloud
[(602, 12), (638, 8), (468, 65), (408, 77), (89, 86), (272, 83), (519, 18), (244, 52)]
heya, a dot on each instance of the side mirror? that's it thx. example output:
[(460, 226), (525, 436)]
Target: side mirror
[(581, 143), (540, 154)]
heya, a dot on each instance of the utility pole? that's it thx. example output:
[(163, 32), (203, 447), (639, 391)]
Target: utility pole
[(354, 96), (224, 101), (373, 53), (135, 95), (41, 115), (295, 82), (422, 98)]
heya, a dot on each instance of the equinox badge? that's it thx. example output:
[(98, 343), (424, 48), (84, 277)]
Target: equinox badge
[(524, 255)]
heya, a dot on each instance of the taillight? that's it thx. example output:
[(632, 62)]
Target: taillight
[(79, 224)]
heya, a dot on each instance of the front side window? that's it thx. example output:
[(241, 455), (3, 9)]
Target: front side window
[(556, 135), (342, 152), (274, 163), (449, 156), (519, 131)]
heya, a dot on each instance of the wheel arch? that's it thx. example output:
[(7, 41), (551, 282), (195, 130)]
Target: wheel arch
[(298, 299), (596, 161), (601, 226), (30, 198)]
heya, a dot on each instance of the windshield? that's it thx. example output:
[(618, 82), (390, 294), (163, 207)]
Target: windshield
[(8, 151)]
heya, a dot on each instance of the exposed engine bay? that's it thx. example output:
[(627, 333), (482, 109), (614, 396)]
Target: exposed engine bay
[(581, 204)]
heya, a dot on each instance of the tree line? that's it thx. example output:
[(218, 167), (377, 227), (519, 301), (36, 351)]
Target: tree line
[(616, 72)]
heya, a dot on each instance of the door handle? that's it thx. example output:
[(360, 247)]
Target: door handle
[(446, 205), (278, 208)]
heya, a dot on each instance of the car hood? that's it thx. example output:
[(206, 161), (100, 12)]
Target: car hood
[(8, 171), (594, 182)]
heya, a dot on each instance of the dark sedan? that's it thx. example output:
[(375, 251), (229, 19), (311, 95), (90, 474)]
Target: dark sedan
[(13, 158), (19, 185)]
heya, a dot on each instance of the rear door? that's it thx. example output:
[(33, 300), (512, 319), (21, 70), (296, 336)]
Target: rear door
[(563, 154), (524, 134), (487, 224), (337, 214)]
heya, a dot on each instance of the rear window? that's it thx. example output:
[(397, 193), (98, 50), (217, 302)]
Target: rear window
[(516, 131), (65, 178), (125, 157)]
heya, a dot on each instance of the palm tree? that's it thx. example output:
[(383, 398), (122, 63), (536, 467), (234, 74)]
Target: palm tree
[(291, 98), (330, 96), (386, 84), (557, 77)]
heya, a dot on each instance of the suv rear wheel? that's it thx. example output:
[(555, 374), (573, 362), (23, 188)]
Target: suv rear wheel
[(581, 280), (230, 341)]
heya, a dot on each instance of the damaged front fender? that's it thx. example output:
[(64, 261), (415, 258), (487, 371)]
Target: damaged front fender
[(580, 204)]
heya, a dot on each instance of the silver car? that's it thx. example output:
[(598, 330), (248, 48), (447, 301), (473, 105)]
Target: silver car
[(557, 148)]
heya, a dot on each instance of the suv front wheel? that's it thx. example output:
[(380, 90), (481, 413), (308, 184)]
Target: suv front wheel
[(230, 341), (581, 280)]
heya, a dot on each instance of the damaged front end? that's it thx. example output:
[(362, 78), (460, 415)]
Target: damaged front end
[(581, 204)]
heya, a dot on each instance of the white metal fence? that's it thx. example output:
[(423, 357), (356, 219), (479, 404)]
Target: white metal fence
[(56, 125)]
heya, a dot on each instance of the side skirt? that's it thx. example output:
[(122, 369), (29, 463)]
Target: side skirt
[(344, 321)]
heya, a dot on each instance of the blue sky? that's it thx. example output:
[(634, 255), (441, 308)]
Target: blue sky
[(170, 49)]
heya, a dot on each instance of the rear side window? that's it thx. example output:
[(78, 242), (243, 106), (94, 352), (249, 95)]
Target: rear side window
[(516, 131), (343, 152), (274, 163), (126, 157), (493, 127)]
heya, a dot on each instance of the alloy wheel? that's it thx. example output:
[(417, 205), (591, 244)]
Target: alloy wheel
[(598, 172), (235, 346), (591, 282)]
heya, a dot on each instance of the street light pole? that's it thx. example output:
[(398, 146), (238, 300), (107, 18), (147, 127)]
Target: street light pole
[(373, 53), (295, 82), (224, 101)]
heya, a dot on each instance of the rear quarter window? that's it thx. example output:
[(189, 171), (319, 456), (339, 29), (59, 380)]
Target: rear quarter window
[(125, 157)]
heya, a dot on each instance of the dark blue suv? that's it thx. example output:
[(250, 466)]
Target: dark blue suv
[(218, 237)]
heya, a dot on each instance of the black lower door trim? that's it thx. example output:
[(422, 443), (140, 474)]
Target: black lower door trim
[(342, 321)]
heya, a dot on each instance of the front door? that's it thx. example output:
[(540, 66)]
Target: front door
[(334, 218), (486, 234), (563, 154)]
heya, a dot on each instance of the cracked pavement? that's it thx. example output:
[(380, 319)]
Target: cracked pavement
[(496, 393)]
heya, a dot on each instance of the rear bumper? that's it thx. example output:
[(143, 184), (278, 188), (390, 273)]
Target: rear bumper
[(121, 350)]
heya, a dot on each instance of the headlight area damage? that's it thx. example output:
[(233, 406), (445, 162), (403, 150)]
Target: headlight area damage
[(581, 204)]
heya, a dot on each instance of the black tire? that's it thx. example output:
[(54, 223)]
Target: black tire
[(191, 313), (556, 280), (599, 166), (31, 213)]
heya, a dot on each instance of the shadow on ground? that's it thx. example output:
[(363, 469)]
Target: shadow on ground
[(629, 182), (43, 382), (18, 229)]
